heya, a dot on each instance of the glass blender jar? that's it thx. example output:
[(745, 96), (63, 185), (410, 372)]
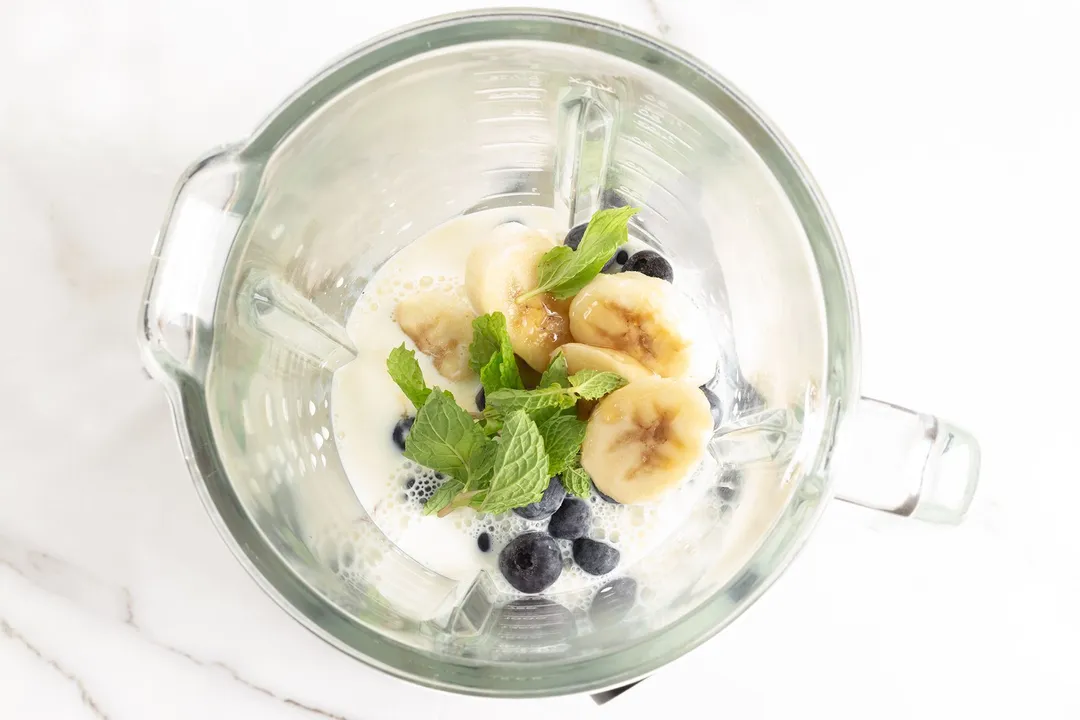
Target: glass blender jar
[(269, 243)]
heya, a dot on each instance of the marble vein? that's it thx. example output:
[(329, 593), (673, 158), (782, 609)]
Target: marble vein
[(663, 27), (11, 633), (115, 602)]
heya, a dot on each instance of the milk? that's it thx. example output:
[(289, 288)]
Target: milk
[(366, 405)]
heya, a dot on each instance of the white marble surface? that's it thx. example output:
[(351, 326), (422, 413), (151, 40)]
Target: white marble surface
[(943, 133)]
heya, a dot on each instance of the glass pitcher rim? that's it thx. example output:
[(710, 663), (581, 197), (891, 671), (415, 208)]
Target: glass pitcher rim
[(632, 661)]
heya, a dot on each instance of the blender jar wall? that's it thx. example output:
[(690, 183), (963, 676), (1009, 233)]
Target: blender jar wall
[(460, 127)]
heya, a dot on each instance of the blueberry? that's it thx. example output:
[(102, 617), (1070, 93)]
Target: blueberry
[(605, 498), (531, 562), (595, 557), (573, 238), (613, 601), (484, 542), (651, 263), (549, 503), (401, 431), (571, 520), (481, 399), (714, 406), (616, 263)]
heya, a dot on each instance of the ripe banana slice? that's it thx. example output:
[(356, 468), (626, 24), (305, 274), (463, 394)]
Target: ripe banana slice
[(440, 323), (645, 438), (503, 267), (649, 320), (586, 357)]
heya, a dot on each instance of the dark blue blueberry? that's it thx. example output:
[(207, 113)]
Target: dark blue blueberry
[(714, 406), (595, 557), (548, 504), (651, 263), (616, 263), (484, 542), (531, 562), (401, 431), (481, 399), (571, 520), (605, 498), (573, 238), (613, 601)]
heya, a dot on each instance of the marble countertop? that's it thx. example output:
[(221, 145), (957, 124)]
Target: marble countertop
[(943, 134)]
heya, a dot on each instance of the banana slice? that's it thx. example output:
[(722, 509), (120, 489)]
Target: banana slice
[(649, 320), (440, 323), (645, 438), (586, 357), (503, 267)]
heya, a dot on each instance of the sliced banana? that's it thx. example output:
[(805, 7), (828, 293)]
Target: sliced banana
[(649, 320), (503, 267), (440, 323), (586, 357), (645, 438)]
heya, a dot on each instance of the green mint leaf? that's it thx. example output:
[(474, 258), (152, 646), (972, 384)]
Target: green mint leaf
[(576, 481), (491, 354), (444, 437), (482, 465), (557, 373), (593, 384), (405, 371), (564, 272), (521, 464), (507, 401), (443, 496), (563, 435)]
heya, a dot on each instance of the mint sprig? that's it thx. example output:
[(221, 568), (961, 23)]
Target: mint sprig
[(557, 372), (520, 468), (406, 372), (563, 435), (446, 439), (491, 354), (584, 385), (576, 481), (564, 272)]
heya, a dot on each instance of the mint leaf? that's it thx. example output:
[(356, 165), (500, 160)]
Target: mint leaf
[(443, 496), (563, 435), (564, 272), (576, 481), (507, 401), (520, 476), (585, 384), (557, 373), (405, 371), (593, 384), (491, 354), (481, 465), (444, 437)]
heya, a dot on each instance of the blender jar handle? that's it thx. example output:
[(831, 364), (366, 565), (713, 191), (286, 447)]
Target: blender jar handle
[(906, 463), (188, 263)]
